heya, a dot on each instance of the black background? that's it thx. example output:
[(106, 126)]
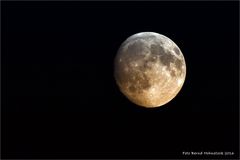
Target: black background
[(60, 99)]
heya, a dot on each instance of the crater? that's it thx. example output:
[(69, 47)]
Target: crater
[(176, 50)]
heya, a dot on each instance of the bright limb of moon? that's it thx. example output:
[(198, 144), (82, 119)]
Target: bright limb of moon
[(149, 69)]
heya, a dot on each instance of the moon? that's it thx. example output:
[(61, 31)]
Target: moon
[(149, 69)]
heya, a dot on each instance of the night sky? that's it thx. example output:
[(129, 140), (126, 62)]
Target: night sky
[(60, 99)]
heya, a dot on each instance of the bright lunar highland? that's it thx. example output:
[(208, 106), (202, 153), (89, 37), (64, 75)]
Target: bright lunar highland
[(149, 69)]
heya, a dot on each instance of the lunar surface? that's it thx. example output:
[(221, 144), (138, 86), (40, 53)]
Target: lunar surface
[(149, 69)]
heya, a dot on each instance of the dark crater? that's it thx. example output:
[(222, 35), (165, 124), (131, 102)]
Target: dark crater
[(176, 50)]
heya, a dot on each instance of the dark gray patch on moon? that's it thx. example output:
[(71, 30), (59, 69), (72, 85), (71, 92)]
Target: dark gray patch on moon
[(176, 50), (135, 48), (173, 74), (167, 58), (138, 38), (157, 49), (179, 64)]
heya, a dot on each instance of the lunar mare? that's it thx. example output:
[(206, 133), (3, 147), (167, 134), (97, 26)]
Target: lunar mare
[(149, 69)]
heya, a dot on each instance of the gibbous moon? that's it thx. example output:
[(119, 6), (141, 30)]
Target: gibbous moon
[(149, 69)]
